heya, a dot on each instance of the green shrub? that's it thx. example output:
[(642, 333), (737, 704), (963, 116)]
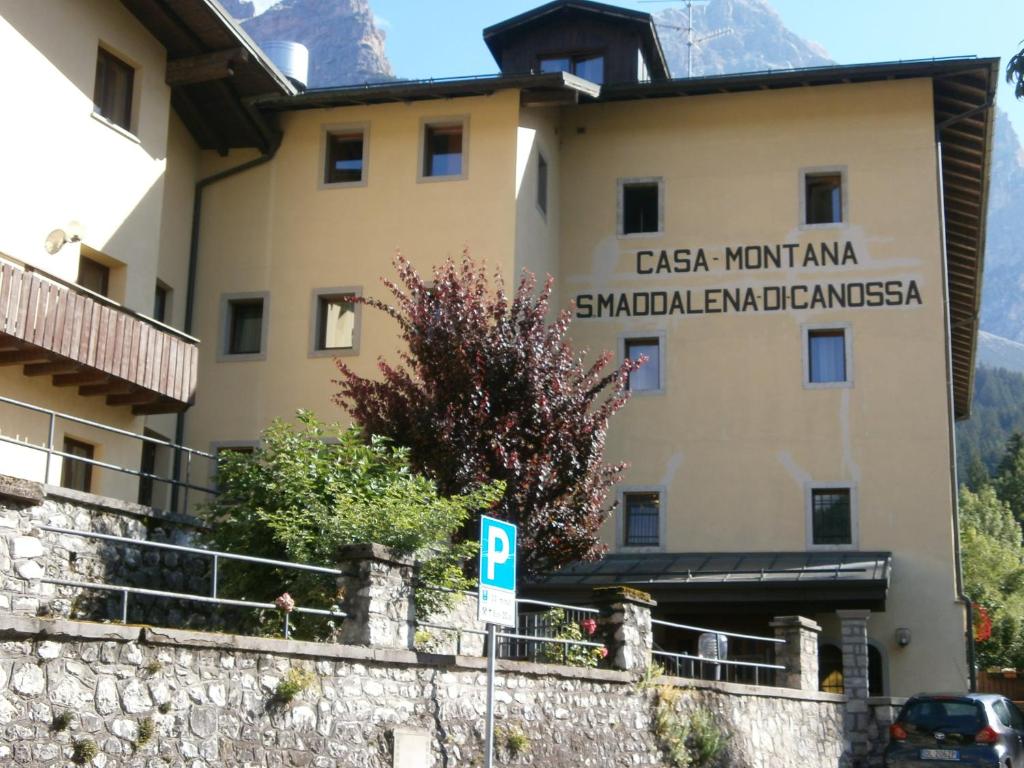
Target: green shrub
[(515, 740), (146, 730), (292, 684), (85, 750), (61, 721), (561, 653), (308, 490), (695, 741)]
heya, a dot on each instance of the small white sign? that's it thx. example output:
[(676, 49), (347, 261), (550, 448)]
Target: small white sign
[(497, 606)]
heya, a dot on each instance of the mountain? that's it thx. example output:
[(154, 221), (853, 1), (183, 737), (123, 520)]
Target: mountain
[(997, 352), (345, 45), (753, 38)]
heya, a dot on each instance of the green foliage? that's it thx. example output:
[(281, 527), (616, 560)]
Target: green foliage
[(310, 489), (146, 730), (561, 653), (516, 742), (84, 751), (154, 667), (991, 552), (61, 721), (292, 684), (164, 707), (1009, 479), (1015, 73), (696, 741), (997, 412)]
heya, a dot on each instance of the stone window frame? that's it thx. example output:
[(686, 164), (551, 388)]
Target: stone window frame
[(809, 489), (660, 336), (440, 121), (620, 208), (334, 128), (844, 196), (805, 340), (314, 322), (621, 492), (224, 340)]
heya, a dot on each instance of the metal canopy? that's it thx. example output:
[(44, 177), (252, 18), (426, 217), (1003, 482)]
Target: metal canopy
[(828, 580)]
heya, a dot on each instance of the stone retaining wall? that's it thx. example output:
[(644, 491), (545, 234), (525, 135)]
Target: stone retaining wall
[(28, 553), (210, 700)]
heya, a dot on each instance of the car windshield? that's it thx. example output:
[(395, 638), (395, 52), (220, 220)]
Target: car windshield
[(951, 715)]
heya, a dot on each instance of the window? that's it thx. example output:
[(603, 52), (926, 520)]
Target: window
[(640, 206), (826, 356), (831, 517), (647, 378), (115, 81), (244, 326), (443, 150), (161, 302), (335, 322), (542, 184), (345, 156), (642, 519), (94, 276), (588, 66), (76, 474), (822, 197)]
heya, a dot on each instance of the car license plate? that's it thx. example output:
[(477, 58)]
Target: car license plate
[(940, 754)]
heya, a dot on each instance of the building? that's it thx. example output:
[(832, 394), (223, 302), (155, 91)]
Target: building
[(798, 254)]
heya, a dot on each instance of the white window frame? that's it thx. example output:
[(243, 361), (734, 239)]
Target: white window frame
[(805, 340), (844, 196), (620, 525), (223, 353), (809, 489), (314, 322), (440, 121), (660, 336), (336, 128), (620, 209)]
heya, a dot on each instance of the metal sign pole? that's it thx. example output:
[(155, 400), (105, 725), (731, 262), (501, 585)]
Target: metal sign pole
[(492, 638)]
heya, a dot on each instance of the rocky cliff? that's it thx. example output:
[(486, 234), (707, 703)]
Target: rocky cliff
[(345, 45)]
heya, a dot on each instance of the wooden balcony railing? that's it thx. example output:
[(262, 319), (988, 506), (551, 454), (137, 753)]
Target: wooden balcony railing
[(81, 339)]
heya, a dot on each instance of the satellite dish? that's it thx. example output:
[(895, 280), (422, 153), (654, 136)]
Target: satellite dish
[(58, 239), (55, 241)]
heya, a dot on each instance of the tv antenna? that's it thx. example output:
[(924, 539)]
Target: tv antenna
[(691, 41)]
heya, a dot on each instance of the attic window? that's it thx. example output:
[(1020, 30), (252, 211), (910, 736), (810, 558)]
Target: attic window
[(589, 66)]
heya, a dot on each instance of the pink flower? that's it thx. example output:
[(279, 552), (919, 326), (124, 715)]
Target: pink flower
[(285, 603), (589, 626), (603, 652)]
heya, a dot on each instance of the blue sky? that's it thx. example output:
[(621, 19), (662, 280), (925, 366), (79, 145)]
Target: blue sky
[(442, 38)]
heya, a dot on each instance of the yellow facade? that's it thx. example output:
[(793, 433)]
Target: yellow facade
[(734, 439)]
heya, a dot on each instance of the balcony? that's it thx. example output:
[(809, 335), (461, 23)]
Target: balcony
[(84, 340)]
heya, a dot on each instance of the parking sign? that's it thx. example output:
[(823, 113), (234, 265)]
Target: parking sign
[(497, 591)]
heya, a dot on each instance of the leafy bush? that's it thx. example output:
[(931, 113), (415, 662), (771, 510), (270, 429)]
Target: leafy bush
[(310, 489), (292, 684), (571, 654), (84, 751), (146, 730), (515, 740), (695, 741)]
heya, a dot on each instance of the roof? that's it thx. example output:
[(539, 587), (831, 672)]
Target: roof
[(548, 85), (964, 113), (496, 34), (837, 579), (213, 68)]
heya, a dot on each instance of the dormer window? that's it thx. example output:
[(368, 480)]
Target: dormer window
[(588, 66)]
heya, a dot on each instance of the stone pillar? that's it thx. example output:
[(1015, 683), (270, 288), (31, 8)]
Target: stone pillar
[(855, 683), (800, 653), (625, 625), (377, 584)]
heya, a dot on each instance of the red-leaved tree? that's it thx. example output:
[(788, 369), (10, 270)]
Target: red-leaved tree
[(488, 389)]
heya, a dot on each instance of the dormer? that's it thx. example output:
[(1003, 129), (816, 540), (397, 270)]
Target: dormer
[(598, 42)]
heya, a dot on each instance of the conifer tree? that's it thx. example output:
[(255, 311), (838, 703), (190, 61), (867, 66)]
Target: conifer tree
[(488, 389)]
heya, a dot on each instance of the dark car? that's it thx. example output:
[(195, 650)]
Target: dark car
[(970, 729)]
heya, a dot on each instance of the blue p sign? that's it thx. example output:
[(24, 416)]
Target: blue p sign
[(497, 553)]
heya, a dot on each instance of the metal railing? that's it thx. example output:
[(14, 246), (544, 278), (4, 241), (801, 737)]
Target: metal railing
[(51, 450), (718, 665), (213, 597)]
